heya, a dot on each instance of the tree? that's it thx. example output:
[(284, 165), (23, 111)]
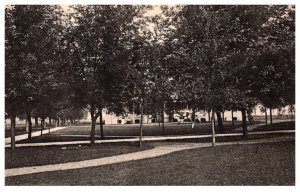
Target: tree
[(35, 30), (98, 47), (276, 58)]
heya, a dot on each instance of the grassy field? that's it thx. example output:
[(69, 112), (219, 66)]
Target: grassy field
[(18, 131), (79, 133), (277, 126), (32, 156), (256, 164), (82, 133)]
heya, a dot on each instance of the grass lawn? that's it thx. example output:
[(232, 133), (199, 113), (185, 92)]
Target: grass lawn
[(256, 164), (233, 138), (18, 131), (21, 130), (31, 156), (290, 125), (81, 133), (125, 131), (148, 129)]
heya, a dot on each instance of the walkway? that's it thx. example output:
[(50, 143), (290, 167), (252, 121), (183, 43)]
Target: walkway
[(33, 134), (150, 138), (155, 152)]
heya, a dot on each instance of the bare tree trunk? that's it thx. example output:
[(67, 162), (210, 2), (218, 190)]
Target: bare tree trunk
[(28, 117), (193, 114), (42, 125), (220, 123), (293, 112), (249, 115), (141, 128), (163, 119), (232, 121), (266, 116), (101, 124), (12, 131), (208, 115), (26, 125), (93, 128), (271, 118), (213, 120), (223, 117), (171, 115), (36, 122), (49, 126), (93, 131), (213, 128), (244, 120)]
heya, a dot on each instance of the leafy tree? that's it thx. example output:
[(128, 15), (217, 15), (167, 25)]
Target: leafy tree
[(32, 46), (98, 47)]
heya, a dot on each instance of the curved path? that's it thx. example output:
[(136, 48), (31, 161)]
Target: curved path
[(33, 134), (155, 152)]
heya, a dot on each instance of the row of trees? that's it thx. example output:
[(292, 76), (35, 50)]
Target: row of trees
[(93, 57)]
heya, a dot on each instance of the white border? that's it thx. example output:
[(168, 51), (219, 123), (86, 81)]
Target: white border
[(144, 188)]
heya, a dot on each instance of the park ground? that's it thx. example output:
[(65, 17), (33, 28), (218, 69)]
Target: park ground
[(262, 163)]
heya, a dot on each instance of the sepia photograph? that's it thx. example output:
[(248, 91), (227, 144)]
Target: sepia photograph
[(149, 95)]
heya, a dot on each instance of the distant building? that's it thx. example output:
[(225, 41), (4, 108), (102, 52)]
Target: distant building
[(185, 116)]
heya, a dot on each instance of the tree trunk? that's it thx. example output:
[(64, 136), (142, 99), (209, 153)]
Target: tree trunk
[(249, 115), (50, 123), (193, 114), (42, 125), (293, 112), (244, 120), (163, 119), (213, 128), (232, 121), (266, 117), (93, 125), (49, 128), (223, 117), (28, 117), (26, 125), (93, 128), (12, 131), (58, 122), (213, 120), (141, 128), (271, 118), (36, 122), (220, 122), (101, 124), (208, 115), (171, 116)]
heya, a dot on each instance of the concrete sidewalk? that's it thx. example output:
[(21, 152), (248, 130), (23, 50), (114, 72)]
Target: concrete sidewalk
[(156, 152), (33, 134), (148, 138)]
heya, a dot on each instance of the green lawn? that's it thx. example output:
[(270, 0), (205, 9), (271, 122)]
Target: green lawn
[(32, 156), (126, 131), (290, 125), (81, 133), (256, 164), (18, 131)]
